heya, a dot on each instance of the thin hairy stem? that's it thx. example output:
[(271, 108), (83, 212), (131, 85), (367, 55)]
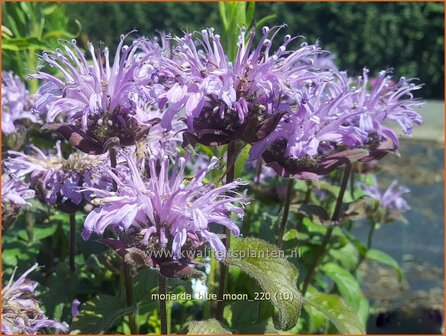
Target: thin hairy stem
[(334, 218), (369, 244), (230, 159), (162, 303), (286, 210)]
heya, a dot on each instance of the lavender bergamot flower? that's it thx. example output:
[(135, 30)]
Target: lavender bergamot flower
[(225, 101), (21, 312), (391, 202), (59, 181), (17, 104), (161, 217), (15, 194), (97, 101), (338, 123)]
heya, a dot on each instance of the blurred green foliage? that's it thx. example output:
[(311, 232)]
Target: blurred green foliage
[(29, 28), (405, 36)]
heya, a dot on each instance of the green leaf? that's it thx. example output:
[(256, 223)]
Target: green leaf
[(240, 163), (143, 285), (384, 258), (346, 255), (265, 19), (277, 276), (349, 289), (222, 10), (44, 232), (6, 32), (250, 317), (334, 308), (17, 44), (250, 14), (58, 34), (208, 327), (99, 315)]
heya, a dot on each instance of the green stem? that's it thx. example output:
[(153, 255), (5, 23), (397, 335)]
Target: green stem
[(230, 159), (334, 218), (162, 303), (127, 273), (258, 170), (306, 200), (286, 210), (72, 244), (369, 245)]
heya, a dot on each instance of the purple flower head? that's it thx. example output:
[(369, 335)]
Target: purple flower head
[(337, 123), (244, 99), (97, 101), (316, 138), (58, 181), (166, 212), (15, 194), (21, 313), (16, 104), (158, 141), (391, 200), (384, 103), (392, 196)]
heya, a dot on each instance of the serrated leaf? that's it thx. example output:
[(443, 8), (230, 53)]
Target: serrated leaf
[(384, 258), (334, 308), (99, 315), (277, 276), (208, 327)]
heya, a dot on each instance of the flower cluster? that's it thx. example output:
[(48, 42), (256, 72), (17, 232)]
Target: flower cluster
[(17, 104), (15, 194), (338, 122), (99, 101), (21, 313), (58, 181), (226, 101), (166, 211)]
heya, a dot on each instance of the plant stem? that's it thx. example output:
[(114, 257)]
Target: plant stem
[(286, 210), (327, 236), (352, 183), (162, 307), (230, 159), (72, 244), (306, 200), (369, 244), (258, 170), (113, 162), (126, 270)]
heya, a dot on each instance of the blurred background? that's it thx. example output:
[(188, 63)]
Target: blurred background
[(407, 37)]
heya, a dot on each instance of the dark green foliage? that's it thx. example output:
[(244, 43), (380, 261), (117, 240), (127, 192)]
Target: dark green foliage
[(405, 36)]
